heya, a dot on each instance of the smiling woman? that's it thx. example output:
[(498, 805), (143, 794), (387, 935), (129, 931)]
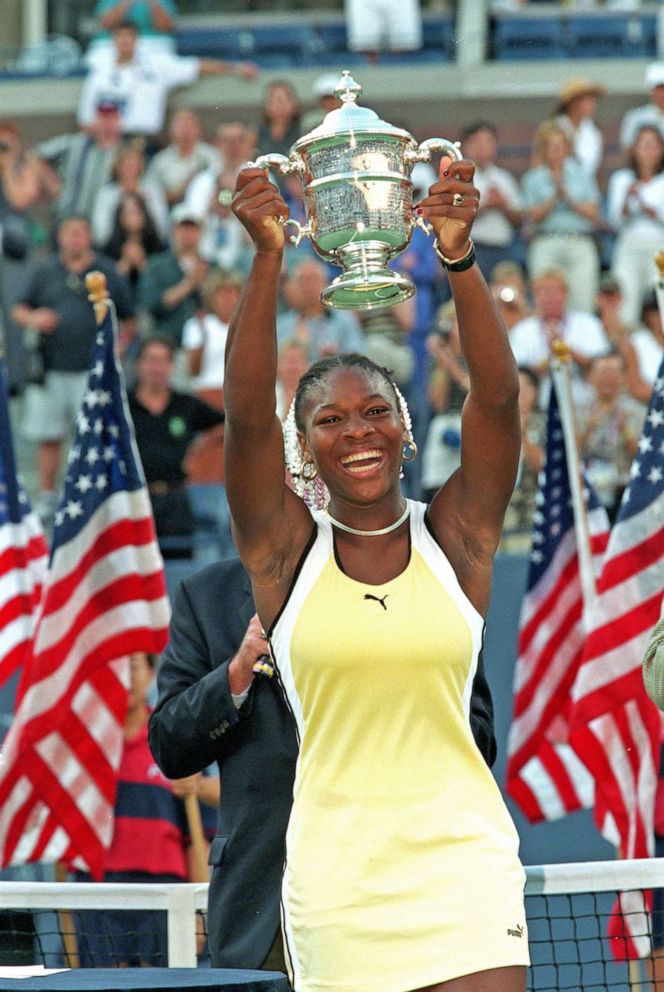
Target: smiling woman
[(402, 871)]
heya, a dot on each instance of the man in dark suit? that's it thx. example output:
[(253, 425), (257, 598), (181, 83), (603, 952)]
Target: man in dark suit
[(215, 640)]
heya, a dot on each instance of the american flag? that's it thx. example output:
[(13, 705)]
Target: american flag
[(545, 774), (612, 718), (23, 552), (104, 599)]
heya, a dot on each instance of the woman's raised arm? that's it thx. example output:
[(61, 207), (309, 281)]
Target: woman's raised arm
[(271, 524), (467, 513)]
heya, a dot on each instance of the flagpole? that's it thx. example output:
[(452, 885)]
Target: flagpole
[(561, 382)]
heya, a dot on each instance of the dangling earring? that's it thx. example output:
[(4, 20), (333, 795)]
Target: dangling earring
[(409, 453), (307, 483), (309, 470)]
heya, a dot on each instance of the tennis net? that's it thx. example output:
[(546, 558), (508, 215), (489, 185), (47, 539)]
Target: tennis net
[(568, 908)]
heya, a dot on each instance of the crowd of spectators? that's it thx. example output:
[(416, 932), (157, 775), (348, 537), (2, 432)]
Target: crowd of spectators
[(567, 245)]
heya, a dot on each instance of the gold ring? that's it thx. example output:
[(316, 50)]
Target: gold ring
[(457, 200)]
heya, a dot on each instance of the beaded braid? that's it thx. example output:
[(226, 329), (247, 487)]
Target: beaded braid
[(312, 489)]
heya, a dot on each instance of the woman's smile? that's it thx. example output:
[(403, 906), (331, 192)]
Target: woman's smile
[(363, 462)]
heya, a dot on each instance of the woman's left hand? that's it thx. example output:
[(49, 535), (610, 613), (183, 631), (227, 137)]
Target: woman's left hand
[(451, 206)]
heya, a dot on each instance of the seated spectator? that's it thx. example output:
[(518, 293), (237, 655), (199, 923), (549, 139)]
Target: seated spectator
[(387, 334), (55, 304), (448, 388), (324, 91), (641, 350), (500, 210), (281, 125), (25, 181), (204, 336), (635, 209), (649, 115), (510, 291), (648, 344), (166, 421), (609, 311), (577, 106), (421, 265), (383, 26), (532, 338), (236, 145), (128, 179), (170, 287), (608, 428), (562, 204), (321, 330), (517, 530), (204, 343), (134, 238), (292, 363), (84, 161), (150, 843), (140, 83), (173, 168), (224, 242)]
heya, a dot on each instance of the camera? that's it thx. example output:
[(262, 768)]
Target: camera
[(507, 295)]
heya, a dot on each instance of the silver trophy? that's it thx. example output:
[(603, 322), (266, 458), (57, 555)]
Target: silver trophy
[(358, 196)]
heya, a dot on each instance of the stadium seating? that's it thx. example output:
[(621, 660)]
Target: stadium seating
[(615, 36), (573, 34), (517, 37)]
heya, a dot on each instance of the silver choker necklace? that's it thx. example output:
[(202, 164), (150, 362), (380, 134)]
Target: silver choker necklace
[(371, 533)]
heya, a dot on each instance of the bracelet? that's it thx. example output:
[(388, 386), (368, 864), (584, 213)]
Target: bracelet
[(457, 264)]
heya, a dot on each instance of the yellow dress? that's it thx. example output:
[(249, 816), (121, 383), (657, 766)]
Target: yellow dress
[(402, 864)]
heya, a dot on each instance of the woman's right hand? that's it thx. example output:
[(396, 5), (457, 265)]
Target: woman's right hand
[(258, 205)]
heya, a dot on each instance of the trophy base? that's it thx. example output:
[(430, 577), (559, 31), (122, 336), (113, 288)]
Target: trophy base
[(367, 291)]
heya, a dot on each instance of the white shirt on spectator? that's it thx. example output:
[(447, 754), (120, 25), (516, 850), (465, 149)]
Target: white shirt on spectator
[(172, 170), (139, 88), (587, 142), (491, 226), (201, 190), (650, 193), (206, 331), (583, 332), (649, 354), (107, 200)]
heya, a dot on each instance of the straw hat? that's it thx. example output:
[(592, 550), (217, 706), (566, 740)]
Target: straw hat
[(575, 88)]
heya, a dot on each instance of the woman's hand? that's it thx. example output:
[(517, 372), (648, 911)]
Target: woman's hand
[(452, 218), (258, 205)]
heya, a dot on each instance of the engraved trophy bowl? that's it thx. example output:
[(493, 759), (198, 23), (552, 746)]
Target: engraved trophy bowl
[(358, 194)]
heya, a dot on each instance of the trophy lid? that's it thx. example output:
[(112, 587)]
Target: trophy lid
[(350, 119)]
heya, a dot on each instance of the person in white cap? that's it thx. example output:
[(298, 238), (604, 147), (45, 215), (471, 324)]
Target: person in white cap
[(324, 90), (650, 113)]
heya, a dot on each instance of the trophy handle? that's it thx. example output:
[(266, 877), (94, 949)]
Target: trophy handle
[(284, 163), (301, 230), (424, 151)]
